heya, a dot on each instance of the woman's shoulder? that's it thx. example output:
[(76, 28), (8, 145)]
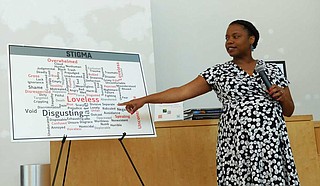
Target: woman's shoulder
[(217, 69), (266, 63), (269, 65), (272, 69), (224, 65)]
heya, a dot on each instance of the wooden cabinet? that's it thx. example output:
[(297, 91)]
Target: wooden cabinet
[(182, 154)]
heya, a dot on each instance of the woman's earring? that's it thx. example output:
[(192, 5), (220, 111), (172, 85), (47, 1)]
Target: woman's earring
[(252, 48)]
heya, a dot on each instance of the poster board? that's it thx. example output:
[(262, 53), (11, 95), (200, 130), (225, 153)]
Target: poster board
[(73, 92)]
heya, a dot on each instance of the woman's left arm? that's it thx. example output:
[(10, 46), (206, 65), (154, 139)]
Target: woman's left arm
[(283, 95)]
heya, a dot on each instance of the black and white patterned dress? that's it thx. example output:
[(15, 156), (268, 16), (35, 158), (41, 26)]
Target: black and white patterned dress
[(253, 146)]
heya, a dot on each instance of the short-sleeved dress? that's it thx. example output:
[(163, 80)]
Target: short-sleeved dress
[(253, 145)]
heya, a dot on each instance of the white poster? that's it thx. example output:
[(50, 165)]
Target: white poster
[(56, 92)]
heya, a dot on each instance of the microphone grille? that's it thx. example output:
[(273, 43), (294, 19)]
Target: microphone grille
[(260, 67)]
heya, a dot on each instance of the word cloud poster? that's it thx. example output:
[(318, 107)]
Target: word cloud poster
[(57, 92)]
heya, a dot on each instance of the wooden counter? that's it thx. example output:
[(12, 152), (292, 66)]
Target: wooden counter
[(317, 134), (182, 154)]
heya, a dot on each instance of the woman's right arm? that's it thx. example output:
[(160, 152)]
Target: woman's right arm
[(196, 87)]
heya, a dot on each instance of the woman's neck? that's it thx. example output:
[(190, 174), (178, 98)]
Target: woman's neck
[(243, 60)]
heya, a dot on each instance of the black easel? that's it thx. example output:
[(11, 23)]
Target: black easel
[(134, 167), (67, 161), (58, 161)]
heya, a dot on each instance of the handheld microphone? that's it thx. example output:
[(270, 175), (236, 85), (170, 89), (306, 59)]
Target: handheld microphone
[(263, 75)]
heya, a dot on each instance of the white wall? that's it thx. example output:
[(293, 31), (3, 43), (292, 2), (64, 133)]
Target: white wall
[(110, 25), (189, 37)]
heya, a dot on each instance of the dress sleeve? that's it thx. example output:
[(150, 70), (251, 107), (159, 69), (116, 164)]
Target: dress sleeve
[(278, 77), (208, 76), (216, 76)]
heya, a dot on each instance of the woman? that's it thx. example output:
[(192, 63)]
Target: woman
[(253, 146)]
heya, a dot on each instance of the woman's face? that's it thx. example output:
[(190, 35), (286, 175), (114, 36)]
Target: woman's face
[(238, 43)]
